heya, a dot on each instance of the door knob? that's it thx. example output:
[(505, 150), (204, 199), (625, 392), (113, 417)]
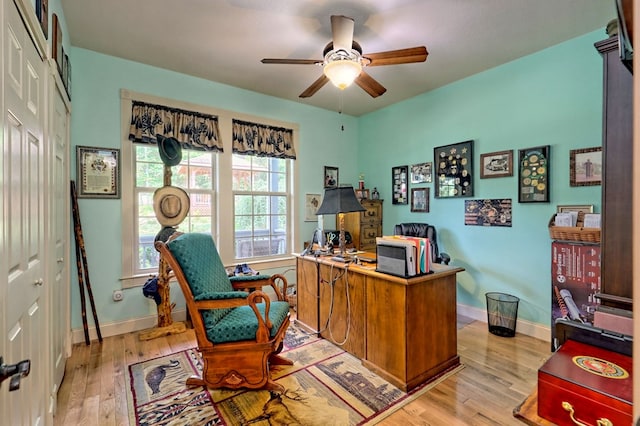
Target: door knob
[(15, 372)]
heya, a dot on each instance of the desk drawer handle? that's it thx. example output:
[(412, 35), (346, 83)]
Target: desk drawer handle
[(568, 407)]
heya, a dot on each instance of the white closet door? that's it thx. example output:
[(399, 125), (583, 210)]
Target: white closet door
[(23, 282), (58, 243)]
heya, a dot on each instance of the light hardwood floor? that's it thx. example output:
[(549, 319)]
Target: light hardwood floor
[(499, 374)]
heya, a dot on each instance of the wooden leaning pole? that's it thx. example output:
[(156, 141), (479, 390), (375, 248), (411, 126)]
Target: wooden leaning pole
[(83, 269), (166, 325)]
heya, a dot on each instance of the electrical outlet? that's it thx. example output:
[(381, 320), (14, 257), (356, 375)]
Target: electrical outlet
[(118, 295)]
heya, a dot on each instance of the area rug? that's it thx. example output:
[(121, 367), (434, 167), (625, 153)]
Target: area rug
[(324, 386)]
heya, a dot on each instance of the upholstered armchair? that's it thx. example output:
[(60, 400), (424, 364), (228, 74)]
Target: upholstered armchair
[(239, 329), (423, 230)]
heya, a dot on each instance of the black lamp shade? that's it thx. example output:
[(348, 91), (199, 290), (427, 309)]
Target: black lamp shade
[(340, 200)]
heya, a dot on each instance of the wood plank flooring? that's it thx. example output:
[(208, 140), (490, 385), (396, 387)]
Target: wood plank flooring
[(499, 374)]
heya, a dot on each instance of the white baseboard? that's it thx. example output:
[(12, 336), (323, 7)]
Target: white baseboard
[(525, 327), (124, 327), (113, 329)]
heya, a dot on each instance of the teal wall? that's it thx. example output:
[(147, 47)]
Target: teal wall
[(553, 97), (97, 80), (550, 98)]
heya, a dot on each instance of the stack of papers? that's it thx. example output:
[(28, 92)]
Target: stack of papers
[(592, 220), (566, 219), (419, 260)]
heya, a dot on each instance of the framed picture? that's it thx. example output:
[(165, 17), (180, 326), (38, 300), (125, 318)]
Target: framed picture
[(56, 45), (399, 176), (421, 173), (311, 204), (489, 212), (362, 194), (496, 164), (533, 175), (42, 13), (330, 177), (585, 166), (69, 79), (454, 170), (65, 63), (585, 208), (420, 200), (98, 172)]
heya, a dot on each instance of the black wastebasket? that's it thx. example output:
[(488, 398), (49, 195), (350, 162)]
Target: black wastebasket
[(502, 313)]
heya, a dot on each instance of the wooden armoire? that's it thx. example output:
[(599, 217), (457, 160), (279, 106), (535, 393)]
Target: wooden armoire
[(617, 162)]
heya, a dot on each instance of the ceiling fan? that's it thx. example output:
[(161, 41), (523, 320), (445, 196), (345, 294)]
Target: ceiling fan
[(344, 61)]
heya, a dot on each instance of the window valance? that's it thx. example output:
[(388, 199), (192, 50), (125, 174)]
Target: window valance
[(193, 130), (262, 140)]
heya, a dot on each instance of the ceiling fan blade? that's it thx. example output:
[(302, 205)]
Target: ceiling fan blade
[(342, 31), (292, 61), (370, 85), (401, 56), (315, 86)]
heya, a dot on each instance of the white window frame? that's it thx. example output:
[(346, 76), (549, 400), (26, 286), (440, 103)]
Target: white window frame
[(224, 217), (266, 193)]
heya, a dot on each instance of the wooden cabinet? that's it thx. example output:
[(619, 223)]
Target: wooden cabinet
[(365, 226), (617, 165)]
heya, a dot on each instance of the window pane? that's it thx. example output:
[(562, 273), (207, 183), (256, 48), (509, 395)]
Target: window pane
[(148, 228), (280, 182), (260, 182), (243, 204), (260, 224), (280, 205), (200, 177), (260, 205), (200, 204), (260, 163), (281, 224), (242, 223), (199, 224)]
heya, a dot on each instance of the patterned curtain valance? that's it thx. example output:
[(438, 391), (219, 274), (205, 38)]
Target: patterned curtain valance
[(193, 130), (262, 140)]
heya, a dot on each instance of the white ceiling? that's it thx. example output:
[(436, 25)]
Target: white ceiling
[(224, 40)]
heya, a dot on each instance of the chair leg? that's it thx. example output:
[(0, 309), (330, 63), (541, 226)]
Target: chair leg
[(195, 381), (273, 386), (279, 360)]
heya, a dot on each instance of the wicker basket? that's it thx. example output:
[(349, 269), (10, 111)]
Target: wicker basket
[(574, 233)]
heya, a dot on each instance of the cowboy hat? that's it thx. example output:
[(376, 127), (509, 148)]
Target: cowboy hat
[(171, 205), (170, 150)]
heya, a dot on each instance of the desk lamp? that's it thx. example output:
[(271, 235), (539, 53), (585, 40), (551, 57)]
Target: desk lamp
[(339, 201)]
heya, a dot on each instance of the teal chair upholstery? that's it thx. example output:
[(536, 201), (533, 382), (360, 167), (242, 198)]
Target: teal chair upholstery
[(238, 327)]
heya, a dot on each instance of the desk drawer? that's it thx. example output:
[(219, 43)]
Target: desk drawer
[(368, 234), (373, 212)]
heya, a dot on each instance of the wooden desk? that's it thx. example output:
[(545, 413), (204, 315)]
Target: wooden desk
[(403, 329)]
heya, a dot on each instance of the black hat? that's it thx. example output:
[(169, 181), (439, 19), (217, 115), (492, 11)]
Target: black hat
[(150, 290), (170, 150)]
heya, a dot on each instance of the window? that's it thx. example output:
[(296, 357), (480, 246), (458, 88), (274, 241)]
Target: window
[(261, 206), (195, 174), (245, 200)]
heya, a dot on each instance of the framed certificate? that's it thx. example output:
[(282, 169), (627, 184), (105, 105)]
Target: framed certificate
[(98, 172)]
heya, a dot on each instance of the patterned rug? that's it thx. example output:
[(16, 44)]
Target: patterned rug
[(324, 386)]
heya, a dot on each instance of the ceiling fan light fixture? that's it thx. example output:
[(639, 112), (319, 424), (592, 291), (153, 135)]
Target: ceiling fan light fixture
[(342, 73), (342, 68)]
